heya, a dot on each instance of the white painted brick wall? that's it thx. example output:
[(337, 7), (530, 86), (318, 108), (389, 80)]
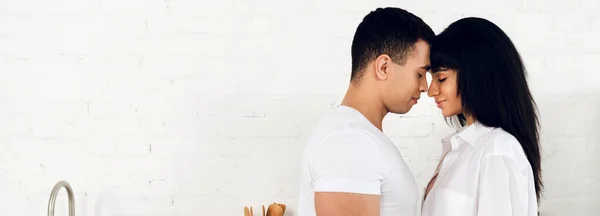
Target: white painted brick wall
[(182, 107)]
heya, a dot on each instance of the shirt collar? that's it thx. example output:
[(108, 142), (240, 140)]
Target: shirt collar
[(469, 134)]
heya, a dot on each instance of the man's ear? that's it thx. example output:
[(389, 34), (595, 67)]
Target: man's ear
[(382, 64)]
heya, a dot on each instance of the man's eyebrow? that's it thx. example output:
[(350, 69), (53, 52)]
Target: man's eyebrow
[(426, 67)]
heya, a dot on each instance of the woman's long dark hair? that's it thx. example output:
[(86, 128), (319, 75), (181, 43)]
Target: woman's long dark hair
[(491, 82)]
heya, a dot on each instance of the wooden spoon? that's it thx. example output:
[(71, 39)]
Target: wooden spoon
[(282, 206), (246, 211), (275, 210)]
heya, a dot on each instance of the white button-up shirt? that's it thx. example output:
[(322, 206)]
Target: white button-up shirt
[(483, 172)]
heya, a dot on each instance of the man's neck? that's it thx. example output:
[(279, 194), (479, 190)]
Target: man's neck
[(367, 103)]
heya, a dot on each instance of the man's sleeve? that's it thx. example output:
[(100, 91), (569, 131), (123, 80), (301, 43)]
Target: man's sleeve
[(348, 163)]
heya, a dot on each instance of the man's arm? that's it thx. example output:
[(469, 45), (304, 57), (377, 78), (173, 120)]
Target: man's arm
[(346, 204)]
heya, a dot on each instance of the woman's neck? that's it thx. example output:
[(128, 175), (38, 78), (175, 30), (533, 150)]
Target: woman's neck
[(470, 119)]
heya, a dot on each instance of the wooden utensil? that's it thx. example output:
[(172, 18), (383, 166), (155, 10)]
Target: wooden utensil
[(282, 206), (275, 210), (246, 211)]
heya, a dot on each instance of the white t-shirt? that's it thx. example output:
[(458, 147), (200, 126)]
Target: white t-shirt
[(346, 153)]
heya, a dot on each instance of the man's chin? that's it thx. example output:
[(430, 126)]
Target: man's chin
[(401, 112)]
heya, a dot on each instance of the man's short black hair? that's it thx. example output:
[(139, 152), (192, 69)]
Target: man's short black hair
[(391, 31)]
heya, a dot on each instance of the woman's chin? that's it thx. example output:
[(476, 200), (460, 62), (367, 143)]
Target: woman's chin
[(448, 114), (444, 113)]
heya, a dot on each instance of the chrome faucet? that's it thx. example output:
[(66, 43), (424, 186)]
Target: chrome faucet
[(52, 201)]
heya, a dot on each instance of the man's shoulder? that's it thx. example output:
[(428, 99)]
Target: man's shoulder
[(333, 122), (342, 126), (345, 134)]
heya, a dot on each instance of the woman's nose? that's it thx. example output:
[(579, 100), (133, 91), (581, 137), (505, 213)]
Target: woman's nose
[(433, 90)]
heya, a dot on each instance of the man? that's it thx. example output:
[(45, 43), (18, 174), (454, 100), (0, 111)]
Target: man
[(350, 167)]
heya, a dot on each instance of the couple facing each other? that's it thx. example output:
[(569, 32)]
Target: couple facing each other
[(489, 166)]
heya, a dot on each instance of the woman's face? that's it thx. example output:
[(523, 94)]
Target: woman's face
[(445, 91)]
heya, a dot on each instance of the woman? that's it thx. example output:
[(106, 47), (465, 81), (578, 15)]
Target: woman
[(491, 165)]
